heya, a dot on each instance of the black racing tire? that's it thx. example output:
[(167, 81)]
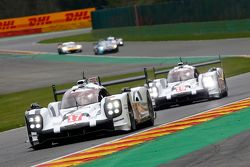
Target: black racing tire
[(60, 52), (117, 49), (152, 115), (225, 93), (131, 116), (41, 143)]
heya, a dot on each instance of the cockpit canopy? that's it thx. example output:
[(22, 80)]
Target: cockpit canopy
[(182, 74), (78, 98)]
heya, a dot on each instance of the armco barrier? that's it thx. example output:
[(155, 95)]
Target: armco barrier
[(46, 23)]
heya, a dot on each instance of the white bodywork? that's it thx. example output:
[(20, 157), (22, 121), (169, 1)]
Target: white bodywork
[(69, 47), (118, 41), (179, 88), (105, 113)]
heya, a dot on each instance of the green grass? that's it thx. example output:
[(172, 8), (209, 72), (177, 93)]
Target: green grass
[(181, 31), (13, 106)]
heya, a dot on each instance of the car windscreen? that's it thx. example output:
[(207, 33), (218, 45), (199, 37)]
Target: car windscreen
[(79, 98), (71, 44), (180, 75)]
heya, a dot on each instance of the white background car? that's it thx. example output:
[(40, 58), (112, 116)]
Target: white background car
[(184, 84), (118, 41), (87, 107), (69, 47)]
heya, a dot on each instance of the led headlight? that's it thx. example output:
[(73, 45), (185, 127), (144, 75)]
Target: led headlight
[(34, 122), (32, 126), (110, 112), (64, 48), (31, 119), (78, 46), (116, 104), (116, 111), (38, 119), (110, 106), (38, 126), (115, 46), (113, 108), (101, 48), (209, 82)]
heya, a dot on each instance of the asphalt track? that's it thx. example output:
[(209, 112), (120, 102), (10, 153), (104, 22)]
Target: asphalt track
[(15, 152), (20, 74)]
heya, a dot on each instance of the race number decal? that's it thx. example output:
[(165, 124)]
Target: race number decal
[(180, 89), (74, 118)]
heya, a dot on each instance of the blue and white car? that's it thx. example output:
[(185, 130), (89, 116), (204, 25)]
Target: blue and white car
[(105, 46)]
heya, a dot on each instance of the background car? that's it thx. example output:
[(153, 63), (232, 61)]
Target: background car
[(118, 41), (69, 47), (184, 84), (85, 108), (104, 46)]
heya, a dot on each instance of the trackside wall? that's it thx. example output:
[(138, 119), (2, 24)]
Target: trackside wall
[(59, 21), (175, 11)]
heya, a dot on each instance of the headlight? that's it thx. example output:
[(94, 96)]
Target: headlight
[(154, 92), (78, 46), (38, 119), (34, 122), (64, 48), (115, 46), (113, 108), (31, 119), (101, 48), (208, 82)]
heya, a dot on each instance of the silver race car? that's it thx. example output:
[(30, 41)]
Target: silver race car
[(69, 47), (85, 108), (118, 41), (184, 84), (104, 46)]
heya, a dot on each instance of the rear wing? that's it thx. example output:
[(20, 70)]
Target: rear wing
[(97, 80), (155, 72)]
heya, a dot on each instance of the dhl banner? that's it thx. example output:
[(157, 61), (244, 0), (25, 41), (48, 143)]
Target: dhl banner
[(46, 22)]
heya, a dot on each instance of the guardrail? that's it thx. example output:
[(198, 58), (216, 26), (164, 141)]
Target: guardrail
[(131, 79)]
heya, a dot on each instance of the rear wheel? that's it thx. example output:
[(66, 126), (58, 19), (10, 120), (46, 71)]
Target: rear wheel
[(150, 122)]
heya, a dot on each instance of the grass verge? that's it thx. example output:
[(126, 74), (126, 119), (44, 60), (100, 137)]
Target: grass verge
[(13, 106), (165, 32)]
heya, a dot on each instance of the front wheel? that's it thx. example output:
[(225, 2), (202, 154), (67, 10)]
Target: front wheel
[(131, 117), (40, 144)]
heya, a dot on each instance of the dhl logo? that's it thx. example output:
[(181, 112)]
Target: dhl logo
[(36, 21), (10, 24), (46, 22), (73, 16)]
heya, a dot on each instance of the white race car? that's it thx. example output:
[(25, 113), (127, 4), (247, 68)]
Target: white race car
[(184, 84), (69, 47), (87, 107), (118, 41)]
